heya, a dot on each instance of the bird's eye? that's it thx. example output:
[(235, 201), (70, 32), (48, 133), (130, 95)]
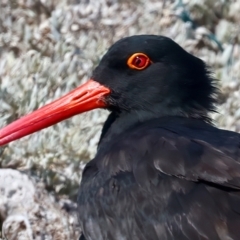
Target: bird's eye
[(138, 61)]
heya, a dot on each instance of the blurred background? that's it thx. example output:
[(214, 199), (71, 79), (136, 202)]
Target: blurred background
[(47, 48)]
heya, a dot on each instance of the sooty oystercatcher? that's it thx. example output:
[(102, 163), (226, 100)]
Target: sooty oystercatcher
[(162, 170)]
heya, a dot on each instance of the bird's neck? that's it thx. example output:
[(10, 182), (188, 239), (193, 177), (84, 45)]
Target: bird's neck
[(115, 124), (119, 122)]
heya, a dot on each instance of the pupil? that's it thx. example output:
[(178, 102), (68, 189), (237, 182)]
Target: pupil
[(139, 62)]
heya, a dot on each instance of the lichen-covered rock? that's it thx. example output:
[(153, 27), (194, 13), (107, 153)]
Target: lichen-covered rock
[(27, 212)]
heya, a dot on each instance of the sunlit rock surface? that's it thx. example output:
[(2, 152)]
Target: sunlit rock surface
[(29, 212)]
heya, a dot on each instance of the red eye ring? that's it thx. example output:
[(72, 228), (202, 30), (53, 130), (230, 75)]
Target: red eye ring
[(138, 61)]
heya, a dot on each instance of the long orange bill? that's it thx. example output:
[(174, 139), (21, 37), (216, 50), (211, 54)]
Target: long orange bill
[(84, 98)]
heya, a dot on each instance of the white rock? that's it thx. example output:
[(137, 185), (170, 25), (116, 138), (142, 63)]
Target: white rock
[(29, 213)]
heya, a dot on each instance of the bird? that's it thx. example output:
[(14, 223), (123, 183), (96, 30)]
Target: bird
[(162, 170)]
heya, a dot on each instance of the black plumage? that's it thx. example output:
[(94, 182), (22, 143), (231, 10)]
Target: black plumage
[(169, 178), (162, 170)]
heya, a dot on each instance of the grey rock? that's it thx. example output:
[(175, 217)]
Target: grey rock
[(28, 212)]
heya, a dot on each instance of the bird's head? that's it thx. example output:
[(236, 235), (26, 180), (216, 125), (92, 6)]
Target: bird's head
[(154, 74), (143, 74)]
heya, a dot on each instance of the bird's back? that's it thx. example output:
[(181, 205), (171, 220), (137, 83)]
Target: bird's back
[(187, 186)]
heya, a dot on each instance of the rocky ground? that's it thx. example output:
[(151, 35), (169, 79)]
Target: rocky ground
[(48, 47)]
